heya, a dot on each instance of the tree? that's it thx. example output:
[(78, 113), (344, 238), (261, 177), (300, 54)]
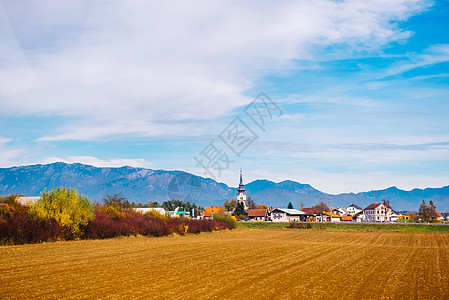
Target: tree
[(229, 205), (250, 202), (290, 205), (301, 204), (240, 210), (66, 206), (262, 206), (154, 204), (427, 212), (118, 201), (322, 206), (173, 204)]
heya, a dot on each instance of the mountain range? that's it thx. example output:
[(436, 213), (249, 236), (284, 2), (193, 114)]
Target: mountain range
[(141, 185)]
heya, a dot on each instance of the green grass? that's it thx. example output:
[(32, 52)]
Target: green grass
[(356, 227), (259, 225)]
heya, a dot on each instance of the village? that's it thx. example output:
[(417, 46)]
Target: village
[(246, 210), (375, 212)]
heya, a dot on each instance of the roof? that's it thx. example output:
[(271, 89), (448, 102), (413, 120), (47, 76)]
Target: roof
[(206, 214), (148, 209), (289, 211), (311, 210), (27, 200), (439, 214), (214, 209), (257, 213), (373, 206), (333, 215), (355, 206)]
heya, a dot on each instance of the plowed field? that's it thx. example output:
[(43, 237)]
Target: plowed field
[(287, 264)]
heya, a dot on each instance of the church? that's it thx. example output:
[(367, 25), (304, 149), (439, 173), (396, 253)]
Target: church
[(241, 194)]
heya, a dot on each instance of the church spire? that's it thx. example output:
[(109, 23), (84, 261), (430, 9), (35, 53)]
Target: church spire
[(241, 187)]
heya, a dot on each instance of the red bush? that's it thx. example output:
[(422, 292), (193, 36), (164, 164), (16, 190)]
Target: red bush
[(19, 229)]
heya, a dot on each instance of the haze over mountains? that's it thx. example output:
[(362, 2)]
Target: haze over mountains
[(142, 185)]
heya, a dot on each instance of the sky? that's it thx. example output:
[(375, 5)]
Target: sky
[(346, 96)]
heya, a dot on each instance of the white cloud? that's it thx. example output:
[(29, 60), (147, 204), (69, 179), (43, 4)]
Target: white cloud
[(435, 54), (153, 62)]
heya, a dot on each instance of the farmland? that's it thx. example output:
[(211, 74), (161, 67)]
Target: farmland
[(258, 263)]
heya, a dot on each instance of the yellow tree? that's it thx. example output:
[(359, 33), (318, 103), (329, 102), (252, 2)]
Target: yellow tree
[(66, 206)]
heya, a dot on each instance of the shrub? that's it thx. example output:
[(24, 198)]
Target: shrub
[(224, 217), (19, 229), (10, 206), (65, 206)]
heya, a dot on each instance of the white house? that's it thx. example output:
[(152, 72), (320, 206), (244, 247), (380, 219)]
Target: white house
[(27, 200), (341, 211), (359, 217), (285, 215), (144, 210), (379, 212), (353, 209)]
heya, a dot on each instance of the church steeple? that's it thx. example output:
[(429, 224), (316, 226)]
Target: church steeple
[(241, 188), (241, 195)]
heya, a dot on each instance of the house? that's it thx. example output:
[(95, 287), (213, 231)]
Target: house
[(206, 215), (379, 212), (359, 217), (341, 211), (285, 215), (326, 217), (353, 209), (393, 216), (403, 216), (346, 219), (214, 209), (144, 210), (259, 215), (27, 201), (440, 217), (445, 216), (311, 213)]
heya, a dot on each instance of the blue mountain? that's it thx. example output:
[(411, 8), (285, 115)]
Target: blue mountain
[(141, 185)]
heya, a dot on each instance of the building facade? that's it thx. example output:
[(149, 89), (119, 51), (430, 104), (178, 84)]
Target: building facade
[(285, 215), (380, 212)]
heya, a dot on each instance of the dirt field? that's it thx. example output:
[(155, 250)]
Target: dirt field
[(263, 263)]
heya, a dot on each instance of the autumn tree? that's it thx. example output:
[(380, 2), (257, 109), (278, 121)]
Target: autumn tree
[(66, 206), (250, 202), (427, 212), (262, 206), (229, 205), (322, 206), (117, 201)]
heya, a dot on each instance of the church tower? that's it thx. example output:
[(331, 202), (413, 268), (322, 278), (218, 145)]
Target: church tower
[(241, 195)]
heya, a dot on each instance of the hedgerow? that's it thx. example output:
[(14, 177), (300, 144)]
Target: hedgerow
[(21, 224)]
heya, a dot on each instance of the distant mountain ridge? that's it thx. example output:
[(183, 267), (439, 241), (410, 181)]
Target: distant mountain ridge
[(142, 185)]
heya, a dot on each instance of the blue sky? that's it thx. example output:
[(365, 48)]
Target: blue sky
[(362, 86)]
